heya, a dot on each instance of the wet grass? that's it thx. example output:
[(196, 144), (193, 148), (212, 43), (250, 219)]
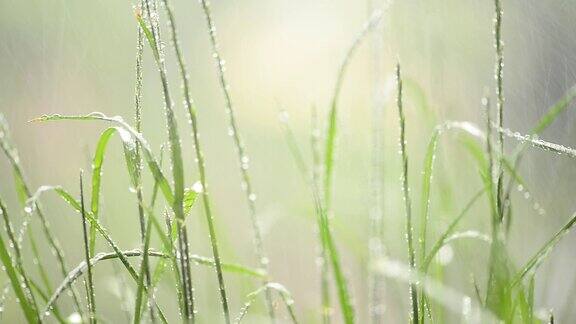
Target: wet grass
[(507, 296)]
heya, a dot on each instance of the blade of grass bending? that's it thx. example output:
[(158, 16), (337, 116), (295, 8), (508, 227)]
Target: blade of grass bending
[(44, 298), (90, 284), (129, 146), (242, 155), (544, 122), (405, 190), (192, 115), (538, 143), (24, 193), (147, 152), (332, 115), (81, 268), (539, 257), (22, 291), (68, 198), (285, 295), (329, 150), (176, 160), (451, 228)]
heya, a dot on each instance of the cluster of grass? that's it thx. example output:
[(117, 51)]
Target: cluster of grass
[(508, 295)]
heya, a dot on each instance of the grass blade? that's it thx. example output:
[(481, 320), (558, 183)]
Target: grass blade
[(242, 155), (147, 152), (285, 295), (144, 272), (448, 232), (539, 257), (23, 292), (90, 284), (405, 190), (332, 126)]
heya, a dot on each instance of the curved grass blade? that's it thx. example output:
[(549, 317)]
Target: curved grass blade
[(332, 126), (541, 255), (147, 152), (538, 143), (280, 289), (131, 158), (448, 232), (78, 271)]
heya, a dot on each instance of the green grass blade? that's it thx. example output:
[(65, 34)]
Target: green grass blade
[(90, 284), (284, 294), (426, 186), (143, 272), (24, 297), (405, 191), (129, 146), (553, 112), (535, 261), (332, 127), (449, 231), (147, 152), (243, 163)]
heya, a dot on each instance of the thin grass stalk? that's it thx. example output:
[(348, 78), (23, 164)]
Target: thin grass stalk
[(376, 281), (177, 163), (19, 266), (25, 193), (90, 284), (139, 162), (243, 158), (329, 251), (18, 254), (22, 293), (500, 100), (316, 178), (406, 195), (192, 115)]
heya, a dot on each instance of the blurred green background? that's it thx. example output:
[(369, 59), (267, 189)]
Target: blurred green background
[(75, 57)]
